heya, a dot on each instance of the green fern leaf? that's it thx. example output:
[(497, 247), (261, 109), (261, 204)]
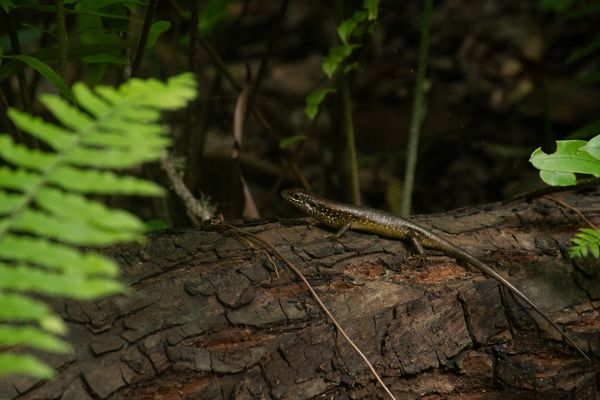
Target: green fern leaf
[(23, 364), (35, 338), (14, 307), (585, 241), (45, 218), (55, 256), (27, 279), (102, 182)]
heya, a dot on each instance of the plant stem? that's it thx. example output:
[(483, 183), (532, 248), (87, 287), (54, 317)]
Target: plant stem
[(15, 45), (352, 165), (418, 112), (61, 39), (139, 54)]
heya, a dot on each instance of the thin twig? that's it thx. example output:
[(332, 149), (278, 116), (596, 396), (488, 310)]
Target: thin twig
[(139, 54), (249, 243), (194, 208), (61, 39), (322, 306), (239, 117), (570, 207), (44, 40), (15, 46), (351, 162)]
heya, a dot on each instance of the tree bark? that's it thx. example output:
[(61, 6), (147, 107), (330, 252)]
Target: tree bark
[(211, 318)]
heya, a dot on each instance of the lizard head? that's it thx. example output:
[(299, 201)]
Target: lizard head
[(328, 212), (300, 199)]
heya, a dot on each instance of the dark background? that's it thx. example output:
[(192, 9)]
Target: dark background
[(499, 84)]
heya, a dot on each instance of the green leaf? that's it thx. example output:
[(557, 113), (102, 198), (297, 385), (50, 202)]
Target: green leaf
[(12, 67), (23, 156), (69, 205), (68, 115), (156, 225), (593, 147), (584, 51), (55, 256), (14, 307), (77, 232), (355, 66), (24, 364), (46, 71), (27, 279), (336, 55), (556, 5), (348, 26), (35, 338), (156, 29), (314, 100), (99, 182), (9, 201), (7, 5), (586, 240), (105, 58), (89, 101), (291, 140), (213, 12), (55, 136), (43, 211), (555, 178), (568, 159), (372, 7)]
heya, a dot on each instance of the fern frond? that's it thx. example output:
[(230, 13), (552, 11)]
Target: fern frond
[(585, 241), (45, 216)]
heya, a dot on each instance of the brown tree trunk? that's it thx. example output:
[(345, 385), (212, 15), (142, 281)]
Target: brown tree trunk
[(210, 317)]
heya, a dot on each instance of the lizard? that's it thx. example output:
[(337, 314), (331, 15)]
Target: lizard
[(346, 216)]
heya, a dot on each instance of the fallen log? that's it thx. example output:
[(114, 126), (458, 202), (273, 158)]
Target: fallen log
[(213, 317)]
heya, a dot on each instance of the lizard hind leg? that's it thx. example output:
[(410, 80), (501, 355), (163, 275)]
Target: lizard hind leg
[(414, 241), (420, 255)]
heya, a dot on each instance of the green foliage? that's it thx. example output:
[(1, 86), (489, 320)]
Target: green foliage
[(556, 5), (586, 241), (45, 218), (571, 157), (96, 37), (338, 55), (291, 140), (314, 99), (47, 72), (213, 12), (7, 5), (350, 25), (584, 51), (156, 30), (559, 169)]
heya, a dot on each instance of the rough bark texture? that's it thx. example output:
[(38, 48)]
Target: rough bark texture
[(210, 318)]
